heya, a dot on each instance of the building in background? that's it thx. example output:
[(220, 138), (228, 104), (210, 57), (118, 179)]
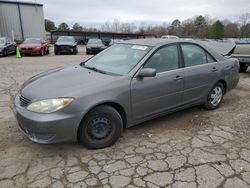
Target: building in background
[(20, 20)]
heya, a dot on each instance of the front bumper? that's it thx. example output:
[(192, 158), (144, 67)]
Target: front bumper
[(64, 49), (31, 51), (46, 128), (94, 50)]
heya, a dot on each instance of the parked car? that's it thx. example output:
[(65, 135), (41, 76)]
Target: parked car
[(124, 85), (65, 45), (242, 53), (7, 46), (106, 41), (169, 37), (115, 41), (94, 46), (34, 46)]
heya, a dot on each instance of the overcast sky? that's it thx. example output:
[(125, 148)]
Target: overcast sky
[(155, 11)]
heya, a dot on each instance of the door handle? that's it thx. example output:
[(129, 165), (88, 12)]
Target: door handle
[(214, 69), (178, 77)]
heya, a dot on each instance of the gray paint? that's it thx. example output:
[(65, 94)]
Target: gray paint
[(141, 99), (29, 23)]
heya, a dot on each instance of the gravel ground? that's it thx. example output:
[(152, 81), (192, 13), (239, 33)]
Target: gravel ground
[(191, 148)]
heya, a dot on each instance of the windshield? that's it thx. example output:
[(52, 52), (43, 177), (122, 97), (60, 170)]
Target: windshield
[(2, 40), (94, 41), (65, 39), (32, 41), (118, 59)]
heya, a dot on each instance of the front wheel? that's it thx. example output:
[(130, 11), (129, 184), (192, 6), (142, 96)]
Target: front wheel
[(243, 68), (100, 128), (215, 96), (42, 52)]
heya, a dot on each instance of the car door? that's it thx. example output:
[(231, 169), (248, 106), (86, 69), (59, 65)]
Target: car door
[(153, 95), (200, 73), (8, 46)]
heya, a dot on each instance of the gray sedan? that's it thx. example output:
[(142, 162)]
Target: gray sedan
[(122, 86)]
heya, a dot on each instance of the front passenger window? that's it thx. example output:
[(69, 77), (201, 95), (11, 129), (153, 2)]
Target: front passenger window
[(165, 59)]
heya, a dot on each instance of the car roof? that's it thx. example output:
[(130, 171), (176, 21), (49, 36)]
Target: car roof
[(155, 41)]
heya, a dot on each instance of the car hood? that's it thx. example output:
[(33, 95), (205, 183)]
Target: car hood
[(64, 82), (29, 45), (2, 45), (65, 43)]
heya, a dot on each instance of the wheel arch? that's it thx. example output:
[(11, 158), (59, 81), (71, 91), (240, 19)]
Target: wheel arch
[(115, 105), (224, 83)]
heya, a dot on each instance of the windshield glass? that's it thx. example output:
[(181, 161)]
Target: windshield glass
[(118, 59), (32, 41), (65, 39), (94, 41), (2, 40)]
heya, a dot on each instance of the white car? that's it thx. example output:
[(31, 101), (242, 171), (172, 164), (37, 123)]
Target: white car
[(169, 37)]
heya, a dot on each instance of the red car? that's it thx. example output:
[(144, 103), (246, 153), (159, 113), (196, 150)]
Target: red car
[(34, 46)]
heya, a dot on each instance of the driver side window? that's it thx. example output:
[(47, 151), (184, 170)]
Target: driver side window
[(165, 59)]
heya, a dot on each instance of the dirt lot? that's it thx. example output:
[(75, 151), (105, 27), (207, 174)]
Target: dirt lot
[(191, 148)]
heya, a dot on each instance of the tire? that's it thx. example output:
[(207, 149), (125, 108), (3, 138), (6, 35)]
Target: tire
[(4, 53), (42, 52), (215, 96), (243, 68), (47, 52), (75, 51), (100, 128), (56, 53)]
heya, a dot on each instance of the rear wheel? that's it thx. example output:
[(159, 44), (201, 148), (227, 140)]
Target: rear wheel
[(100, 128), (215, 96), (243, 68)]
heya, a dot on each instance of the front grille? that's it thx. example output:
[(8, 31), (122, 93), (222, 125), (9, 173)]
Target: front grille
[(27, 49), (64, 48), (24, 101)]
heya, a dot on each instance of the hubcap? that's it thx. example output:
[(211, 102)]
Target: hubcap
[(99, 128), (216, 96)]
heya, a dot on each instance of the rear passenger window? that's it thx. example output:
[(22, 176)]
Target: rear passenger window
[(193, 55), (165, 59)]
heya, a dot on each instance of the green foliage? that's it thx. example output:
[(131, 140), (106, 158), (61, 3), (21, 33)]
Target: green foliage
[(63, 27), (49, 25), (77, 27)]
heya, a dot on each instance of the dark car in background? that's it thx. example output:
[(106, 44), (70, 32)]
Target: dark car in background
[(34, 46), (65, 45), (94, 46), (106, 41), (7, 46)]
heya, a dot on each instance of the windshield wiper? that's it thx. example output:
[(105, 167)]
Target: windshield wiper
[(95, 69)]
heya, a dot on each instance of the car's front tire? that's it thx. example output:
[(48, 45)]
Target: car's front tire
[(215, 96), (100, 128), (243, 68)]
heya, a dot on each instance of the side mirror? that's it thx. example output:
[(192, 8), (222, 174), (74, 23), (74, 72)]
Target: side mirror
[(147, 72)]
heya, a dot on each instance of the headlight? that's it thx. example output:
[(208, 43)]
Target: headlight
[(49, 105)]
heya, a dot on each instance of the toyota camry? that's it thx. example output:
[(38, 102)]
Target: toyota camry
[(126, 84)]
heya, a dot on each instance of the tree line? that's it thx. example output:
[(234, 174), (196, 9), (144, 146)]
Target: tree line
[(197, 27)]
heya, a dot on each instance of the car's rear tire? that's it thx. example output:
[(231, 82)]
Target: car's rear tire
[(215, 96), (243, 68), (100, 128)]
